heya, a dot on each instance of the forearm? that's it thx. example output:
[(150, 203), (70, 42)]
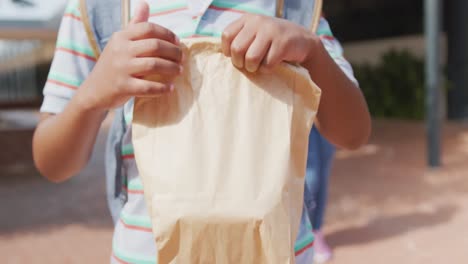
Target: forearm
[(343, 117), (63, 143)]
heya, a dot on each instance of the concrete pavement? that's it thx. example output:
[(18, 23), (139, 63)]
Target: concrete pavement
[(385, 206)]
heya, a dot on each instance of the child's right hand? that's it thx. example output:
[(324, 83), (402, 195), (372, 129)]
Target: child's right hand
[(139, 50)]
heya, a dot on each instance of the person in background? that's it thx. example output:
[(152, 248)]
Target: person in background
[(320, 159), (319, 162)]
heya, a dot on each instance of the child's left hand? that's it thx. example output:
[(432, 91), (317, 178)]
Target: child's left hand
[(256, 42)]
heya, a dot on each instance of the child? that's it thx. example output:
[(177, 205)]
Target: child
[(80, 90), (319, 161)]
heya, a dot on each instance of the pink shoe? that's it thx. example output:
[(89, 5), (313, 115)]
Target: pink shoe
[(323, 253)]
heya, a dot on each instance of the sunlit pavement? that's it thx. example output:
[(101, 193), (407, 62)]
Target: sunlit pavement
[(385, 205)]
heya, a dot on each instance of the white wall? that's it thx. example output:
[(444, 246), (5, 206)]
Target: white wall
[(371, 51), (43, 10)]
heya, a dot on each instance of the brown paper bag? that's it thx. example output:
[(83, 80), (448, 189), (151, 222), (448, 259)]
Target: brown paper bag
[(223, 158)]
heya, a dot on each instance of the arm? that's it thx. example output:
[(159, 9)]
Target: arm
[(343, 117), (63, 143)]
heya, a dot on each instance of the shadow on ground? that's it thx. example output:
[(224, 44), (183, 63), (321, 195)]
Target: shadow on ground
[(386, 190), (36, 205), (386, 227), (381, 197)]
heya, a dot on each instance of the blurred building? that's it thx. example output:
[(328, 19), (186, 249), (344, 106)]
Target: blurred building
[(28, 29), (369, 28)]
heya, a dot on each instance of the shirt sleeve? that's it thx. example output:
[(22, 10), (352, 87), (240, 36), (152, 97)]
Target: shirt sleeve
[(73, 61), (334, 48)]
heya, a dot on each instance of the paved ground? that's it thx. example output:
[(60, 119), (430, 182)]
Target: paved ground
[(385, 206)]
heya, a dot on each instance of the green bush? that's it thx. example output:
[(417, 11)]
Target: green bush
[(394, 88)]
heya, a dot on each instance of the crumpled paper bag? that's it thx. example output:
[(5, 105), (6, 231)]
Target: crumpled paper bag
[(223, 159)]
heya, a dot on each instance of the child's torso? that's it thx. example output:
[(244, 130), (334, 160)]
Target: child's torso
[(133, 240), (192, 18)]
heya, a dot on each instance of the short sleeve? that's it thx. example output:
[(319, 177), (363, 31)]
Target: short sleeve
[(334, 48), (73, 61)]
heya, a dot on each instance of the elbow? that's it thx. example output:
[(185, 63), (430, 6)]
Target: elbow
[(359, 138), (54, 175), (355, 143), (48, 166), (54, 178), (56, 171)]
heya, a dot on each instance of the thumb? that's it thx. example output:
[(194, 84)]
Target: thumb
[(141, 13)]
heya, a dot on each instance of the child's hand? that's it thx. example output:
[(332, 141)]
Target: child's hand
[(256, 41), (139, 50)]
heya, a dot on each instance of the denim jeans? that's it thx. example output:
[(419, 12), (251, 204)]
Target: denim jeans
[(319, 161)]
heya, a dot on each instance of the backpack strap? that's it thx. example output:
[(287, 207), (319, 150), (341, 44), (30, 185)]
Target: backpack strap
[(280, 8), (292, 5), (125, 13), (316, 15), (101, 18), (89, 31)]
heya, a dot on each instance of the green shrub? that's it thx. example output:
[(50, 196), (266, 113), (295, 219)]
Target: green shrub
[(394, 88)]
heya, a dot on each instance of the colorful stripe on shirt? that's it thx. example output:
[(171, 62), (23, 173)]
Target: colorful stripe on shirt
[(72, 11), (125, 257), (128, 152), (76, 49), (236, 7), (141, 223), (135, 186), (174, 7), (304, 244), (72, 16), (199, 34), (63, 80)]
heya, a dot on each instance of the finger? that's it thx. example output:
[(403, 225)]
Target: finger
[(156, 48), (150, 30), (141, 13), (143, 88), (240, 45), (274, 57), (145, 66), (257, 52), (229, 34)]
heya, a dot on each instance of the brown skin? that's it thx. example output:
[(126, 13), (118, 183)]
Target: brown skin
[(343, 117), (63, 143)]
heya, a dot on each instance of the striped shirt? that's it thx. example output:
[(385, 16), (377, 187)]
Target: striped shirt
[(133, 241)]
